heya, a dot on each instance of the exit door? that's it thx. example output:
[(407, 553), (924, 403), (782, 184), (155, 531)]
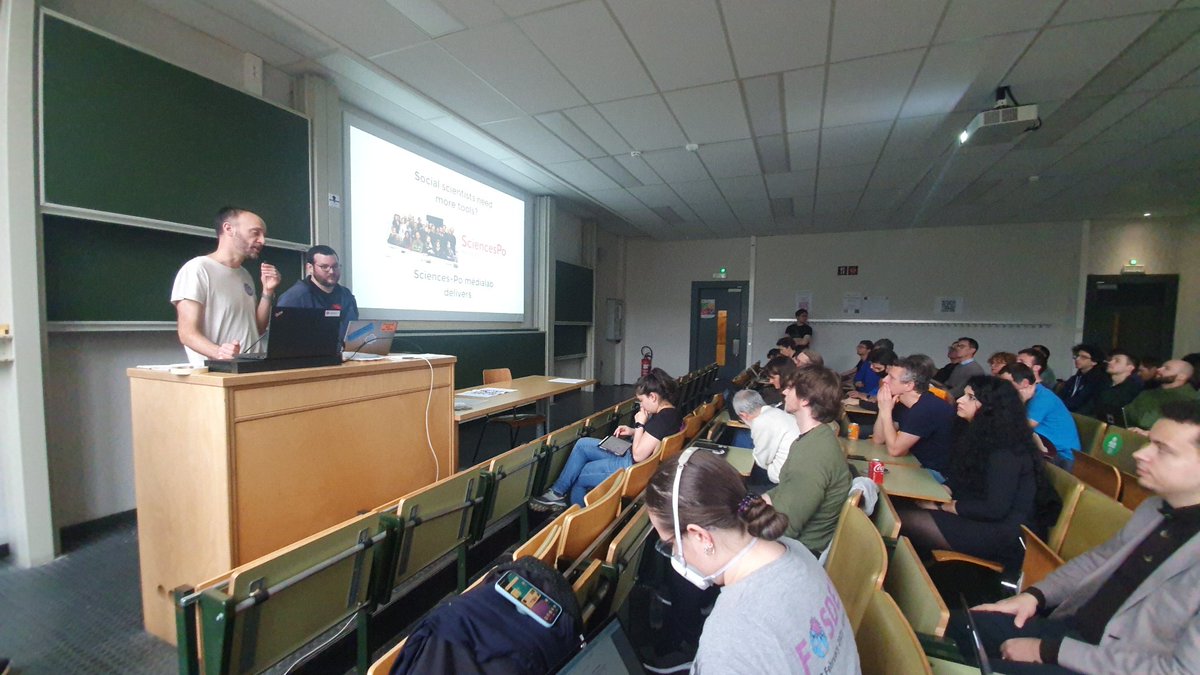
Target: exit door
[(1133, 312), (719, 310)]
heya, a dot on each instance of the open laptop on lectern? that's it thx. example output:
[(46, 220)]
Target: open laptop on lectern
[(297, 337)]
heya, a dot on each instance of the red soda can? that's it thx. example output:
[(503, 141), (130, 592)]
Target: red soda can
[(875, 467), (852, 431)]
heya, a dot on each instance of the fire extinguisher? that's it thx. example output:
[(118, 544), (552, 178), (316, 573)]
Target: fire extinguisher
[(647, 359)]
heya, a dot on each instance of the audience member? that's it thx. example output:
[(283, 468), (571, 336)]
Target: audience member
[(787, 346), (1036, 360), (589, 464), (776, 370), (885, 343), (1173, 378), (998, 360), (800, 331), (1132, 604), (921, 424), (773, 352), (809, 357), (1147, 372), (964, 349), (1049, 379), (862, 350), (815, 480), (1122, 388), (994, 477), (777, 612), (878, 362), (1047, 415), (771, 431), (943, 374), (1079, 391)]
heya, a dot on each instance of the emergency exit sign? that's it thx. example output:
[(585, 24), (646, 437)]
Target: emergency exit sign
[(847, 270)]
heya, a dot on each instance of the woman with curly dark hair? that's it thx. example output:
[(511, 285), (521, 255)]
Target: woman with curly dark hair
[(994, 476)]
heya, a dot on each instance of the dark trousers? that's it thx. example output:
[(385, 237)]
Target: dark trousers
[(995, 628)]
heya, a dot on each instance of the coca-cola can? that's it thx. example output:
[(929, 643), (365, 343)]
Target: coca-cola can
[(852, 431), (875, 467)]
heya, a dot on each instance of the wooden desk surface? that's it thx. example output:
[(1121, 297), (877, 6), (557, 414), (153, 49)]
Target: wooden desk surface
[(913, 482), (347, 369), (528, 390), (856, 410), (863, 447)]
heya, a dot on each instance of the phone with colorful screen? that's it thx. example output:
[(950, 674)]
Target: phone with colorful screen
[(528, 598)]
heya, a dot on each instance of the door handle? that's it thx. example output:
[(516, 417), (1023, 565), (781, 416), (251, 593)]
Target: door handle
[(736, 344)]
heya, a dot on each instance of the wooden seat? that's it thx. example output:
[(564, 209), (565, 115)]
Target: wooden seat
[(885, 517), (302, 590), (625, 410), (857, 561), (1118, 447), (513, 481), (910, 586), (1096, 519), (582, 526), (638, 475), (600, 424), (691, 426), (586, 582), (625, 554), (616, 480), (386, 662), (672, 445), (1100, 475), (1091, 433), (886, 642), (543, 545), (435, 521), (718, 402), (514, 421), (1040, 559), (558, 448), (1132, 492), (1068, 488)]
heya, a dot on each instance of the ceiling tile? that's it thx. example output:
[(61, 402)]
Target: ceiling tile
[(367, 27), (711, 113), (795, 184), (970, 19), (1089, 158), (1112, 112), (868, 27), (964, 74), (898, 174), (522, 7), (506, 59), (675, 164), (617, 199), (834, 202), (730, 159), (569, 133), (743, 189), (680, 41), (881, 200), (1170, 110), (640, 169), (926, 137), (869, 90), (770, 36), (752, 212), (773, 153), (856, 144), (803, 94), (695, 192), (803, 149), (598, 129), (614, 170), (583, 175), (1171, 69), (645, 122), (474, 13), (586, 45), (655, 195), (532, 140), (1063, 59), (1087, 10), (843, 178), (764, 103), (246, 26), (433, 72)]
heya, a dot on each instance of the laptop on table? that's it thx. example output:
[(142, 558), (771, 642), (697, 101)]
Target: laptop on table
[(297, 337), (368, 340)]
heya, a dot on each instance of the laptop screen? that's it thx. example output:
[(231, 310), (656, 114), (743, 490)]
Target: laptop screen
[(608, 652)]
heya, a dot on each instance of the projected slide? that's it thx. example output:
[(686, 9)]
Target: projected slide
[(429, 242)]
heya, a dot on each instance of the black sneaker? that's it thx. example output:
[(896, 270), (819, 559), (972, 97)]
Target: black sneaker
[(549, 501)]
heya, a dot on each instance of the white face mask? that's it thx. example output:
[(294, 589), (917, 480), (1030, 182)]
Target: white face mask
[(678, 562)]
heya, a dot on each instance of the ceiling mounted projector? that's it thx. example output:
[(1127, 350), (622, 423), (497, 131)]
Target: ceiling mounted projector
[(1004, 123)]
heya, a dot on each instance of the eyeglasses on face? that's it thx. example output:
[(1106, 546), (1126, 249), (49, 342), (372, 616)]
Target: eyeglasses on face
[(326, 268), (665, 548)]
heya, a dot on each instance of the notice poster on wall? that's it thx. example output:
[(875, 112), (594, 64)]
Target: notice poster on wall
[(428, 241)]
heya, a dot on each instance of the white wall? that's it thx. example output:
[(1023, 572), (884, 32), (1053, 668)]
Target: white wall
[(658, 291), (1164, 248), (610, 278)]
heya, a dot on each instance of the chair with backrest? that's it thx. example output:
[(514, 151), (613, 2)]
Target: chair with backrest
[(625, 411), (558, 448), (638, 475), (603, 488), (514, 421), (265, 610), (582, 526), (672, 445), (857, 561), (1132, 492), (437, 520), (1040, 560), (513, 479), (1096, 519), (885, 517), (691, 426), (386, 662), (718, 402), (1118, 447), (886, 642), (1100, 475), (625, 554), (601, 423), (910, 586), (1091, 433), (543, 545), (1069, 488)]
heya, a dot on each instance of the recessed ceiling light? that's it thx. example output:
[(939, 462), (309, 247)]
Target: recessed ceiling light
[(1146, 214)]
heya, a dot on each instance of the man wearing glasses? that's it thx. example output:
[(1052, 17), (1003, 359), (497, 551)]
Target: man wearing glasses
[(320, 289), (962, 354)]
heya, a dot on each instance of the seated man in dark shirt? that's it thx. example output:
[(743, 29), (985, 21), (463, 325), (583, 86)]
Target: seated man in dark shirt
[(1079, 391), (320, 288), (912, 420), (1123, 386), (800, 331), (1132, 604)]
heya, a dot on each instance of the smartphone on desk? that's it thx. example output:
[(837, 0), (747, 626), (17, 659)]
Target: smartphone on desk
[(528, 598)]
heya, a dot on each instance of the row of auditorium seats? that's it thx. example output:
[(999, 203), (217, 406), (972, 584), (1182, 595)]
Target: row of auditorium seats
[(1106, 462), (256, 615)]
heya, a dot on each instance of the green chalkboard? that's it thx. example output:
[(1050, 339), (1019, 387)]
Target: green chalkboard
[(126, 133), (573, 291), (570, 340), (106, 272), (522, 352)]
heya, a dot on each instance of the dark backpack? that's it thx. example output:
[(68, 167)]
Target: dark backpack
[(482, 632)]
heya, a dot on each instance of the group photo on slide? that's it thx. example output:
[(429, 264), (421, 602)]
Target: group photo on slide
[(427, 234)]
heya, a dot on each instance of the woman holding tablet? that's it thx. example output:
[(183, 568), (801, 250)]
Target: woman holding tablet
[(589, 464)]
